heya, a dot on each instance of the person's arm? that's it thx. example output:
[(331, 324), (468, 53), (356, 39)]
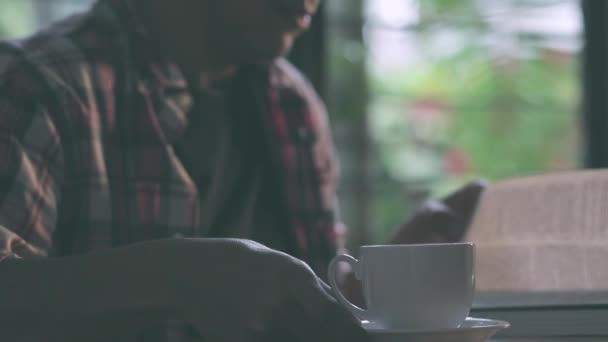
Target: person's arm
[(61, 296), (329, 170), (67, 297), (324, 152), (227, 289)]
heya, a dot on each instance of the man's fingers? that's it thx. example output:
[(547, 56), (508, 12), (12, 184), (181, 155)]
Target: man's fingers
[(326, 288), (464, 201), (329, 324), (337, 315), (319, 317), (432, 223)]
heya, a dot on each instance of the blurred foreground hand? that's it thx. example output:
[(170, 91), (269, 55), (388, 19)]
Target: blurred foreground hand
[(442, 221)]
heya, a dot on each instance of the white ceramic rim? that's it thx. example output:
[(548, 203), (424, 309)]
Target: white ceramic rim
[(490, 325), (457, 244)]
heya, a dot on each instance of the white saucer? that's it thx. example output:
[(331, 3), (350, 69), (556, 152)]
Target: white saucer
[(472, 330)]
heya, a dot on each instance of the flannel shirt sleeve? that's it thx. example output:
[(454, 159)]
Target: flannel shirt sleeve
[(329, 166), (324, 150), (31, 167)]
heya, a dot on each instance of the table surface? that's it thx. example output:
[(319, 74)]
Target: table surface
[(552, 339)]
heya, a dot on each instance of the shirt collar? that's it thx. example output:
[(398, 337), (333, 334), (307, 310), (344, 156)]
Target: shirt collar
[(154, 67)]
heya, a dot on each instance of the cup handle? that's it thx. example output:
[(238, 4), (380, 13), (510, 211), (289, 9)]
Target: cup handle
[(333, 268)]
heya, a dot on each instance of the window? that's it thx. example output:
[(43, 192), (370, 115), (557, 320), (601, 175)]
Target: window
[(21, 17), (452, 91)]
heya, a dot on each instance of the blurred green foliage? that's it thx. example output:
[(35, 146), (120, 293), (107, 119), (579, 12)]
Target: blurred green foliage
[(16, 18), (475, 111)]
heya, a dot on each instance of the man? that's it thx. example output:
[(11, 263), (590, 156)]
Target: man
[(144, 147)]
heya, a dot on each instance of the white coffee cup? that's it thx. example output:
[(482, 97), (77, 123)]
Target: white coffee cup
[(412, 287)]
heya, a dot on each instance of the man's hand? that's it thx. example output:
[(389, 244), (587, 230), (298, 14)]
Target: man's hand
[(442, 221), (236, 290)]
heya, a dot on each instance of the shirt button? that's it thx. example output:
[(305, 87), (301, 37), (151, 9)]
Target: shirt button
[(302, 133), (305, 135)]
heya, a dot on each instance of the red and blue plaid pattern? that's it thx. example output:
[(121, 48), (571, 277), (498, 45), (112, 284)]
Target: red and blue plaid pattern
[(89, 113)]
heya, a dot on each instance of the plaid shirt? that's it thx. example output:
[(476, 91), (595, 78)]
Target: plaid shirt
[(89, 113)]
